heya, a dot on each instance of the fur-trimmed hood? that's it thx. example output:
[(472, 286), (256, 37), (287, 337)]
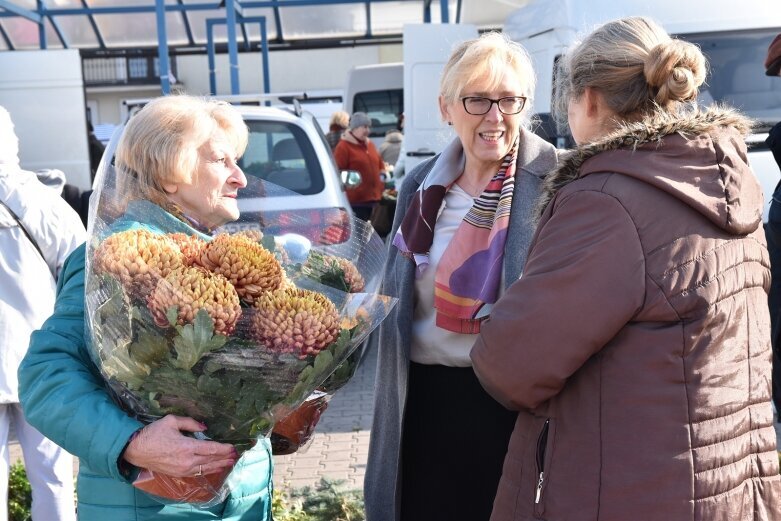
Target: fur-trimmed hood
[(698, 157)]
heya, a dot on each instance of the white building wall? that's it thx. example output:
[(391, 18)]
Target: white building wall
[(313, 69), (109, 100), (310, 69)]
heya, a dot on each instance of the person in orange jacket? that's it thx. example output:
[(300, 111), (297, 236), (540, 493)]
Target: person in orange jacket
[(355, 151)]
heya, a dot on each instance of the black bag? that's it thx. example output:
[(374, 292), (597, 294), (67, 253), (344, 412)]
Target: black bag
[(382, 217)]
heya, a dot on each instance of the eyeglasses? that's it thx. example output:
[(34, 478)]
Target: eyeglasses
[(478, 105)]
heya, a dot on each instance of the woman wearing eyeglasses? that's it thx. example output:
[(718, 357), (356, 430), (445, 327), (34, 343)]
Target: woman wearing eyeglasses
[(460, 235)]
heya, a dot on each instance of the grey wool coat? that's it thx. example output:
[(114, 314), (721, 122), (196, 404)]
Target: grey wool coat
[(382, 484)]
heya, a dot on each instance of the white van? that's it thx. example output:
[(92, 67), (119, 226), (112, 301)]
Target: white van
[(427, 48), (377, 90), (384, 91), (733, 36), (44, 93)]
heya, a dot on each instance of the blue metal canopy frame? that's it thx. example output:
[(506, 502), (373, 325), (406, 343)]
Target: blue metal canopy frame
[(234, 14), (234, 81)]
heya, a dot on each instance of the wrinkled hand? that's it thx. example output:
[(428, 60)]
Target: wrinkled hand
[(161, 447)]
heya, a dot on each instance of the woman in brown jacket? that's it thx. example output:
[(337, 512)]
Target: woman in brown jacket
[(636, 344)]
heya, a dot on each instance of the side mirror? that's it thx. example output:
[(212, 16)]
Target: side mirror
[(350, 178)]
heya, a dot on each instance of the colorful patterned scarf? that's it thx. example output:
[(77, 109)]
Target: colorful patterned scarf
[(470, 271)]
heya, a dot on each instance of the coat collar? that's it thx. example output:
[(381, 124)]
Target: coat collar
[(651, 129), (350, 138)]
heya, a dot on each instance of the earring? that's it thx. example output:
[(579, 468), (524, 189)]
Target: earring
[(450, 123)]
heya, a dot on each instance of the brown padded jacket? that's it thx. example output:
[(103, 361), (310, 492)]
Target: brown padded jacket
[(636, 345)]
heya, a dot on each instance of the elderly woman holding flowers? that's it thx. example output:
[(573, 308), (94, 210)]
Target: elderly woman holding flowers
[(180, 154)]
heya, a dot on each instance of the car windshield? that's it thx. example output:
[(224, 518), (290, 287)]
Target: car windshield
[(737, 75), (281, 153)]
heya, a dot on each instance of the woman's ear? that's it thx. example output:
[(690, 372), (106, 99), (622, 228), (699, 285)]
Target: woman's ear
[(592, 102), (596, 106), (444, 110), (170, 188)]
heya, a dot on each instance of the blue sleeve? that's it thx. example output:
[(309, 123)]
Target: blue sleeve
[(60, 389)]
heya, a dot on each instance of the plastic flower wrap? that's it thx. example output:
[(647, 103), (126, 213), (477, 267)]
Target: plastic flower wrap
[(234, 327)]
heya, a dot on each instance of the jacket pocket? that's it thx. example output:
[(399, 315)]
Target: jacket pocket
[(543, 456)]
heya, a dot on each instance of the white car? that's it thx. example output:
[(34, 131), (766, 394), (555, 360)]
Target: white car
[(287, 148)]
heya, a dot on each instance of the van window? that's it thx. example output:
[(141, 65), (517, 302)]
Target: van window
[(382, 106), (549, 126), (281, 153), (737, 75)]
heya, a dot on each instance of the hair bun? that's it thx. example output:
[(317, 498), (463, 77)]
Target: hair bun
[(674, 70)]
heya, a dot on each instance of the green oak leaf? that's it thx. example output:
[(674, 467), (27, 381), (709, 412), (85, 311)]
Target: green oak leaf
[(149, 349), (196, 339), (112, 330), (341, 344), (305, 374), (176, 392)]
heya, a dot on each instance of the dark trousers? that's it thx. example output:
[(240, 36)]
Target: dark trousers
[(773, 234), (363, 211), (453, 446)]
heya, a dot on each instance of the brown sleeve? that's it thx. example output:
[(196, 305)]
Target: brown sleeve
[(583, 281)]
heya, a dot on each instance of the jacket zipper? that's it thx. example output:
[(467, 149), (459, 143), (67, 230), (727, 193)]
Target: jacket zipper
[(542, 442)]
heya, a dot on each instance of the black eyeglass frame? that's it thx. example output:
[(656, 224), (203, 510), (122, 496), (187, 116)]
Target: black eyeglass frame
[(497, 101)]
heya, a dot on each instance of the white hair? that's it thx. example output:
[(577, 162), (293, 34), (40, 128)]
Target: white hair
[(9, 143)]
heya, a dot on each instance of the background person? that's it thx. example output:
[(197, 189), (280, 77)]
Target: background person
[(338, 124), (391, 146), (181, 152), (356, 151), (399, 167), (462, 227), (29, 265), (636, 346), (96, 150)]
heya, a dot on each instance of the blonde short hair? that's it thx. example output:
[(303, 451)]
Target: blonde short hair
[(489, 56), (160, 143), (636, 67), (9, 142), (340, 118)]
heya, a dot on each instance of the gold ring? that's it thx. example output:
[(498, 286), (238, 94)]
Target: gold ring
[(200, 471)]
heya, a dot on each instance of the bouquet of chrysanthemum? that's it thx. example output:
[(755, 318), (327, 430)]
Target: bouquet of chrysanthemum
[(218, 330)]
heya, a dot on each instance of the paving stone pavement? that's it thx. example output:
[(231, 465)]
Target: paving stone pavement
[(340, 445)]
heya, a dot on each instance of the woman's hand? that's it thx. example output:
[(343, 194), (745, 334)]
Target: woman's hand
[(161, 447)]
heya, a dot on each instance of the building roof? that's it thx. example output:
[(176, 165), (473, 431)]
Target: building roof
[(102, 26)]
